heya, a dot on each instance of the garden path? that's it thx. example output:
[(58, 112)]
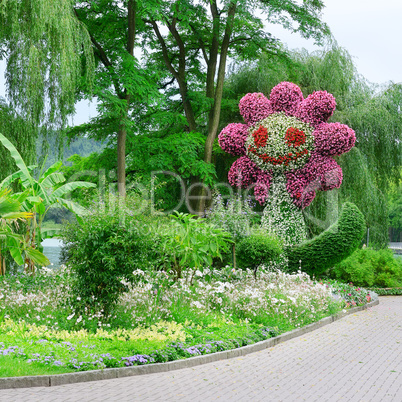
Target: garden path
[(357, 358)]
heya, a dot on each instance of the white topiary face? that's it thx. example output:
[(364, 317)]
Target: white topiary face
[(280, 142)]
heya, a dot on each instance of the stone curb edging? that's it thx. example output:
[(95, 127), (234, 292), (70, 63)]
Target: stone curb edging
[(107, 374)]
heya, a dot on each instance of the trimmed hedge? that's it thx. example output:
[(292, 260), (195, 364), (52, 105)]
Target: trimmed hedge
[(258, 248), (338, 242)]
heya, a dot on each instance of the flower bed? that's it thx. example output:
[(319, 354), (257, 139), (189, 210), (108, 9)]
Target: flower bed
[(156, 320)]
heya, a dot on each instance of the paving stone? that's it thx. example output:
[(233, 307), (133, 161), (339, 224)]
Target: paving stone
[(357, 358)]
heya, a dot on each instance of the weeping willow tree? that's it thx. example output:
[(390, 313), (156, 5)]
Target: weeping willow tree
[(20, 133), (48, 53), (374, 113)]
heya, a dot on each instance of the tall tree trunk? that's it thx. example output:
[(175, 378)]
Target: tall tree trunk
[(122, 133), (121, 160), (188, 109), (214, 115)]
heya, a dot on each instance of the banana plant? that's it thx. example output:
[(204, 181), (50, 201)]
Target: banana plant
[(14, 243), (38, 195)]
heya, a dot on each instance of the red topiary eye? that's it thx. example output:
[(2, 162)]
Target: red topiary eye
[(260, 137), (295, 137)]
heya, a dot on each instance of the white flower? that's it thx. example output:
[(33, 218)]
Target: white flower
[(124, 282), (70, 316), (79, 319), (197, 304)]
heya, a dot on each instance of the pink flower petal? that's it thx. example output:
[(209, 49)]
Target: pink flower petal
[(232, 138), (320, 173), (254, 107), (286, 97), (317, 108), (334, 138), (245, 173)]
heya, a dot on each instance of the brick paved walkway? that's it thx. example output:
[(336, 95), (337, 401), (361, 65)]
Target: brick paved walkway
[(358, 358)]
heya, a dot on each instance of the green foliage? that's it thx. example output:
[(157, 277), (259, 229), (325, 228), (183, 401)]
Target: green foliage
[(233, 214), (37, 196), (43, 42), (395, 209), (105, 250), (370, 268), (46, 191), (123, 86), (11, 242), (387, 291), (257, 249), (331, 246), (20, 133), (360, 187), (168, 153), (192, 243)]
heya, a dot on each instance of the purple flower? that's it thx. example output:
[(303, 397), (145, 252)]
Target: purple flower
[(137, 359), (193, 350)]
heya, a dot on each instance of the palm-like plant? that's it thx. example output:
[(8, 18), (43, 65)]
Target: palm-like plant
[(10, 215), (38, 195)]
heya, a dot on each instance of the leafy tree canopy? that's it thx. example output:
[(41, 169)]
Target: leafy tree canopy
[(42, 42)]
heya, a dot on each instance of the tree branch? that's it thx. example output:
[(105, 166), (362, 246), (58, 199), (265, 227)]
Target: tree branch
[(131, 10), (105, 61), (180, 44), (213, 53), (166, 84), (165, 52), (202, 45)]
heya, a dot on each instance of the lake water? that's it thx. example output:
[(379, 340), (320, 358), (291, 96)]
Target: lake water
[(51, 249)]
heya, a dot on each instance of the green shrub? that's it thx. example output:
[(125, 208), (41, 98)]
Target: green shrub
[(235, 215), (387, 291), (338, 242), (103, 251), (192, 243), (258, 248), (367, 267)]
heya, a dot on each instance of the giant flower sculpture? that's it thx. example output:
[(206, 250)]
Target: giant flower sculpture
[(286, 149)]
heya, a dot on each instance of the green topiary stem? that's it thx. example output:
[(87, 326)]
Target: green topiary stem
[(281, 216)]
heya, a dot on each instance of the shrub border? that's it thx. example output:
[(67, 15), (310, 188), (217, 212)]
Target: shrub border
[(107, 374)]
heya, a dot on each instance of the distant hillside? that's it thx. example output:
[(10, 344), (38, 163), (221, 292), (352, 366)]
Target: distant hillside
[(80, 146)]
